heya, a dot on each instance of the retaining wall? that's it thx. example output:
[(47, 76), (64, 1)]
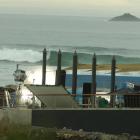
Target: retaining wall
[(16, 116), (113, 121)]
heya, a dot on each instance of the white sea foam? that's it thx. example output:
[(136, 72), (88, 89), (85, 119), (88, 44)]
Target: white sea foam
[(20, 55), (132, 73), (106, 72)]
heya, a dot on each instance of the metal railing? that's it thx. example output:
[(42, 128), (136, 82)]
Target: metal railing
[(134, 101), (128, 100)]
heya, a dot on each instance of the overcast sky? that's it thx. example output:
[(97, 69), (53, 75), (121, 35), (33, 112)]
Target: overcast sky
[(99, 8)]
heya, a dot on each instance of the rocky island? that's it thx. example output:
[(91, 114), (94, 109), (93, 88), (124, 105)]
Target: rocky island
[(126, 17)]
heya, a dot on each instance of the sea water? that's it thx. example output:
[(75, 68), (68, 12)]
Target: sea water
[(23, 37)]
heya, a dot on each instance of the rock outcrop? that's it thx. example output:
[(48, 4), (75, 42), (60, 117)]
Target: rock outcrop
[(126, 17)]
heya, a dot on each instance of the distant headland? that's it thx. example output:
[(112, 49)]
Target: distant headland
[(126, 17)]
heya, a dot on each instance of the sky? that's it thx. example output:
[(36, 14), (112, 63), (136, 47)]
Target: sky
[(98, 8)]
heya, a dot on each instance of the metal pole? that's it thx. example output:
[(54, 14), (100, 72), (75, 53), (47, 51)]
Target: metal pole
[(93, 87), (44, 67), (113, 72), (17, 66), (58, 71), (74, 73)]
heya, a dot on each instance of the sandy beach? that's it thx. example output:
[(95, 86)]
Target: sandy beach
[(119, 67)]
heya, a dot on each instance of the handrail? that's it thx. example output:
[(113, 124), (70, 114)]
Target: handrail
[(86, 96), (108, 94)]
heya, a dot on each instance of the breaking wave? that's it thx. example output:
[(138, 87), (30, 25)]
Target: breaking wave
[(86, 58), (32, 55), (18, 55)]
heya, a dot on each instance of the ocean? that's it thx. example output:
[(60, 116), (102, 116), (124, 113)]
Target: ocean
[(23, 37)]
